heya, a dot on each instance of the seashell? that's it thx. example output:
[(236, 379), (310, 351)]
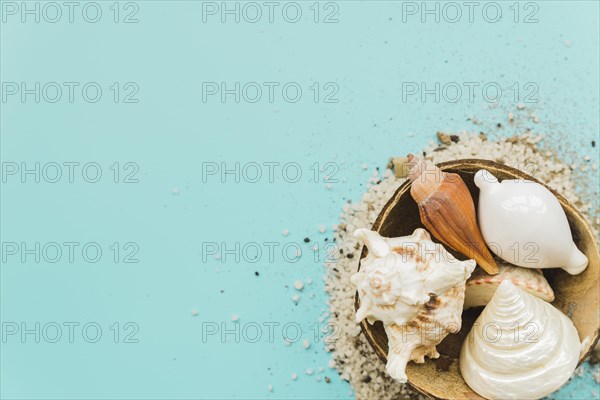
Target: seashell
[(447, 211), (481, 286), (523, 223), (520, 347), (416, 288)]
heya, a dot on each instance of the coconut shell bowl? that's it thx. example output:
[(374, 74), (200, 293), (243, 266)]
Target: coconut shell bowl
[(577, 296)]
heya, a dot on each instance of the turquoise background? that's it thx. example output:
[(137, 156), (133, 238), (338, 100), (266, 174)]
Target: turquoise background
[(170, 212)]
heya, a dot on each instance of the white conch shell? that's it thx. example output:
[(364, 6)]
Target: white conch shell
[(481, 286), (520, 347), (524, 224), (416, 288)]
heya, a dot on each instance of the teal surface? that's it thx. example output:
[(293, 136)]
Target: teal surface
[(159, 215)]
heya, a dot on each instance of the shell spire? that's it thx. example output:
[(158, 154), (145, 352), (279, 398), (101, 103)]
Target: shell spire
[(448, 212)]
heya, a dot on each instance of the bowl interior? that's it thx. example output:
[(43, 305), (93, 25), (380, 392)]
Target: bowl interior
[(577, 296)]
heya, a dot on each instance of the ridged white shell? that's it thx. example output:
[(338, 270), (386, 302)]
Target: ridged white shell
[(481, 286), (520, 347), (416, 288)]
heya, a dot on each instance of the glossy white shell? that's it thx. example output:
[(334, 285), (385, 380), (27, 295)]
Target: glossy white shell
[(523, 223), (416, 288), (520, 347)]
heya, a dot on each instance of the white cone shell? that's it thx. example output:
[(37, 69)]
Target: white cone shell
[(519, 348)]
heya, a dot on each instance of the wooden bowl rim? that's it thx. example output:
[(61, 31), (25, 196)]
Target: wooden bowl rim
[(458, 164)]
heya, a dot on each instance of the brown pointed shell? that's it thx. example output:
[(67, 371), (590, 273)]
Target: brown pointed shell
[(448, 212)]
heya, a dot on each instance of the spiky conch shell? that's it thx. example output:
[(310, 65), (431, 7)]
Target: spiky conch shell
[(416, 288)]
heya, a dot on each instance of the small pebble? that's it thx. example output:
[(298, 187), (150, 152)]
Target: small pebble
[(309, 371), (195, 312), (309, 281), (298, 285), (270, 387), (306, 240), (318, 378), (322, 228), (294, 376), (329, 186), (296, 298), (235, 317), (327, 379), (400, 166), (587, 158), (511, 116), (256, 273), (306, 344), (365, 166), (175, 191), (520, 106), (444, 138), (331, 363), (285, 232)]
